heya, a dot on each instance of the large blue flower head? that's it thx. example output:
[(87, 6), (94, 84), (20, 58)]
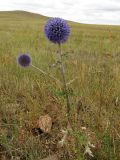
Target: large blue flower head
[(57, 30), (24, 60)]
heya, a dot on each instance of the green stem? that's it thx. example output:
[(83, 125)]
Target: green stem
[(64, 82)]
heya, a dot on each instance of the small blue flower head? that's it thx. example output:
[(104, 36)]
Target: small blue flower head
[(24, 60), (57, 30)]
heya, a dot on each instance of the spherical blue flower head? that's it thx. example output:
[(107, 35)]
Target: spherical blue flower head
[(24, 60), (57, 30)]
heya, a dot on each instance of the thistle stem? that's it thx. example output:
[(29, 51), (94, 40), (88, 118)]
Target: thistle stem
[(47, 74), (62, 69)]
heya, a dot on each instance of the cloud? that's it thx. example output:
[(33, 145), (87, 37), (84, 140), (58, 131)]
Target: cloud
[(110, 9), (85, 11)]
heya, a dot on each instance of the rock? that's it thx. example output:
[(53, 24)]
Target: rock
[(45, 123)]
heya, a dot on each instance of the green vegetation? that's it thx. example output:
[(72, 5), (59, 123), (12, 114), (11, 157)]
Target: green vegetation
[(91, 54)]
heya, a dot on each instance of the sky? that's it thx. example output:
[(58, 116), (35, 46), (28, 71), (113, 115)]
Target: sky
[(83, 11)]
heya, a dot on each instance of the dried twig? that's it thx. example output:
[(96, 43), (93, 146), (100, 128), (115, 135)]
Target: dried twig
[(117, 132), (71, 81)]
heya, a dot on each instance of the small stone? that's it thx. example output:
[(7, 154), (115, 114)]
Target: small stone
[(45, 123)]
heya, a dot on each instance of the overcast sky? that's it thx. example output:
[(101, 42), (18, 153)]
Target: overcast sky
[(84, 11)]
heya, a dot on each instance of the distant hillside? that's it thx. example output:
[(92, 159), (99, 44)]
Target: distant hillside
[(21, 13), (25, 15), (20, 16)]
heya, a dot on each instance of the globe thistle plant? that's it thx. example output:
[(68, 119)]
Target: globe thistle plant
[(24, 60), (57, 30)]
